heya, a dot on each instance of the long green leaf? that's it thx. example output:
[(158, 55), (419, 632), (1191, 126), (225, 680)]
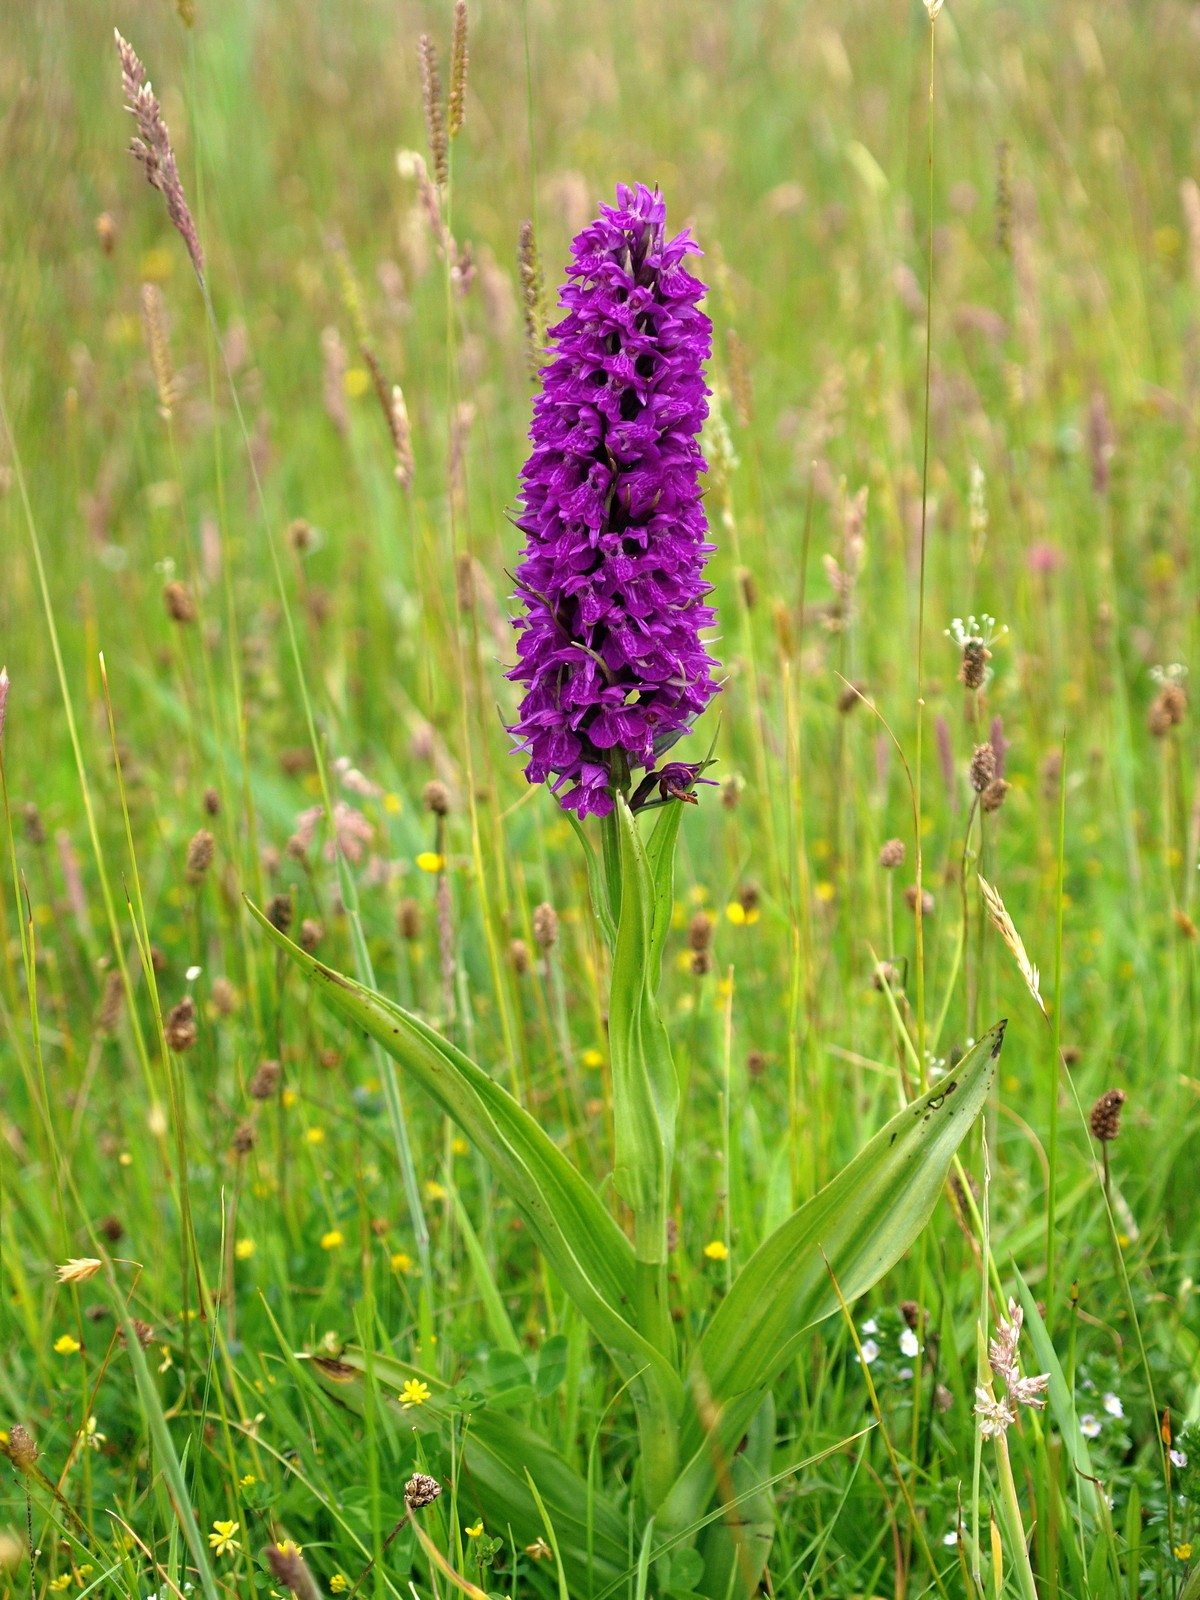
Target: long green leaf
[(498, 1452), (862, 1223), (583, 1244)]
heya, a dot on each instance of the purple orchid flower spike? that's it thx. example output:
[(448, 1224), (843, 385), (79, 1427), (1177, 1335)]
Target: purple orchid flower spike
[(611, 578)]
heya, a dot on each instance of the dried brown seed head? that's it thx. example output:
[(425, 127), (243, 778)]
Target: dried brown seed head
[(266, 1080), (520, 956), (436, 798), (983, 767), (421, 1490), (892, 854), (179, 1025), (408, 919), (1105, 1117), (279, 911), (311, 934), (177, 598), (21, 1448), (212, 802), (993, 797), (700, 931), (972, 672), (200, 851), (244, 1138)]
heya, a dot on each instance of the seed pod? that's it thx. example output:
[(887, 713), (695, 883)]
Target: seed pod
[(21, 1449), (892, 854), (244, 1138), (519, 955)]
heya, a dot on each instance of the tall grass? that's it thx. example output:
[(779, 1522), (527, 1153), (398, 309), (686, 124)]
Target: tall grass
[(346, 649)]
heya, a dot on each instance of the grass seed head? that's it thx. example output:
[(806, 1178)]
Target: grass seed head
[(456, 109), (266, 1080), (983, 767), (153, 150), (435, 125), (421, 1490), (892, 854), (291, 1570), (180, 1026), (1105, 1117), (177, 598), (21, 1449), (200, 851), (279, 911), (545, 925)]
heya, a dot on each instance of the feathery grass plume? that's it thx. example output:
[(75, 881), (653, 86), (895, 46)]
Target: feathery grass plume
[(152, 148), (155, 323), (78, 1269), (395, 414), (530, 270), (1003, 924), (611, 579), (435, 125), (333, 379), (456, 110)]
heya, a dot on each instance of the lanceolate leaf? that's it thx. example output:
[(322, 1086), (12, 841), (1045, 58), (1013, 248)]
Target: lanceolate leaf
[(586, 1249), (863, 1222), (497, 1453)]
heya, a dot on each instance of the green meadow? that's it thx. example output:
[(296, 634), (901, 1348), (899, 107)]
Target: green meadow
[(317, 1039)]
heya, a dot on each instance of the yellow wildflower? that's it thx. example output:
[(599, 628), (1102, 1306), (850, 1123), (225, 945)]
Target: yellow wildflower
[(64, 1345), (736, 913), (435, 1190), (356, 381), (401, 1261), (244, 1249), (459, 1146), (1183, 1552), (248, 1481), (474, 1530), (63, 1581), (339, 1583), (716, 1250), (289, 1098), (221, 1538), (314, 1135), (593, 1058), (431, 861), (414, 1393), (331, 1240)]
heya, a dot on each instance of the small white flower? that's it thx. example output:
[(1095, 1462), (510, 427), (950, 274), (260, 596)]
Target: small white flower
[(908, 1343), (1112, 1404), (1089, 1426), (995, 1416), (193, 973), (951, 1537), (870, 1351), (904, 1374), (1176, 672), (1179, 1458), (870, 1326)]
